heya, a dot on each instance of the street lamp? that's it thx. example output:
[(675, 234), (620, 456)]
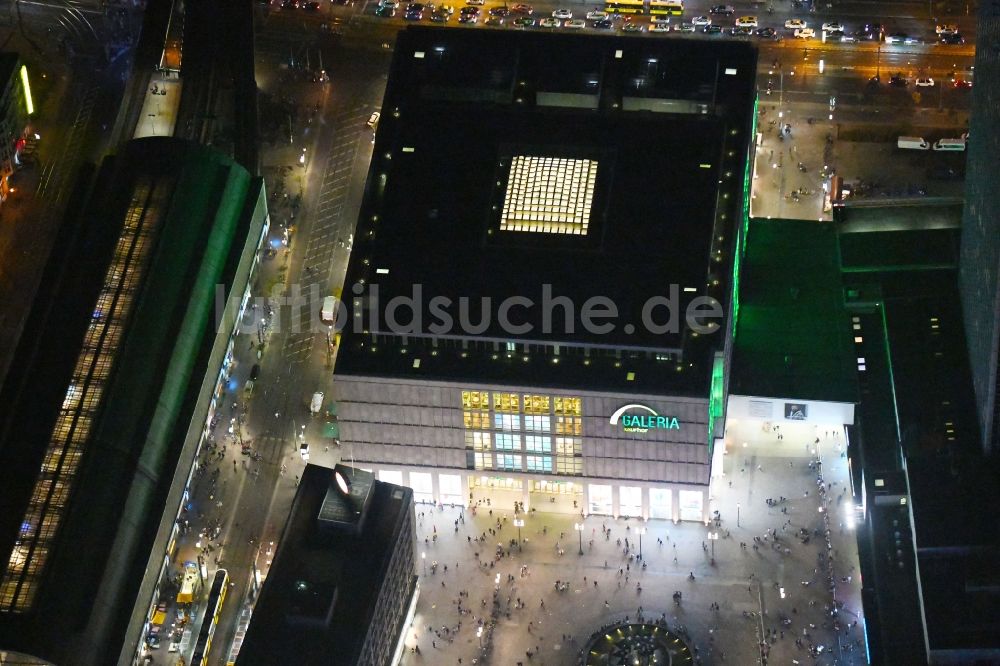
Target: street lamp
[(518, 523), (641, 531), (579, 530), (423, 557), (713, 537), (737, 514)]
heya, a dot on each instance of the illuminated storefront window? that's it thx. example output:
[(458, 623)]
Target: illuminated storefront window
[(538, 443), (549, 195), (476, 399), (506, 402), (539, 464), (569, 425), (536, 404), (538, 423), (572, 406), (505, 427), (506, 422), (476, 419)]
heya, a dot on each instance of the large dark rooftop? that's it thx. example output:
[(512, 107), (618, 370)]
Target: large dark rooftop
[(792, 336), (646, 143), (319, 597)]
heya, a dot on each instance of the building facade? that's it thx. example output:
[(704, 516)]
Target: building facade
[(458, 443), (342, 587), (500, 185), (979, 269)]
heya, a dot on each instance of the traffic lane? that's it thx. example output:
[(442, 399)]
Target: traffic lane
[(856, 90), (923, 31)]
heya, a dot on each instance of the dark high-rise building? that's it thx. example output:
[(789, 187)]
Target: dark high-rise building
[(979, 274), (342, 584), (108, 394)]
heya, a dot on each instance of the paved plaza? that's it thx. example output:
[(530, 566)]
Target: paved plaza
[(731, 611)]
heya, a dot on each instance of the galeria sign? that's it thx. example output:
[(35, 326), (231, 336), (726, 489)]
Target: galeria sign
[(640, 418)]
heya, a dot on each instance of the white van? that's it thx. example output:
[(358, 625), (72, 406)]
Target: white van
[(912, 143), (316, 404), (328, 315), (950, 144)]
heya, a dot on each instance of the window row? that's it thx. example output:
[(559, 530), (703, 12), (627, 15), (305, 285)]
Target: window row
[(515, 462), (514, 403)]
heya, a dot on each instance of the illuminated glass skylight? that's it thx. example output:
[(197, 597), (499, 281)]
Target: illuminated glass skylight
[(549, 194)]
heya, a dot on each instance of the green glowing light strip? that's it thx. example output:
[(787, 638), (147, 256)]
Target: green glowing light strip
[(27, 90)]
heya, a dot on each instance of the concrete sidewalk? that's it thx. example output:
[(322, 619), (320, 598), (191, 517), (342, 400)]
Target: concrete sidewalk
[(604, 582)]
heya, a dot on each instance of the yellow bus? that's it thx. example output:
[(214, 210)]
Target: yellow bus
[(625, 6), (213, 609), (666, 7)]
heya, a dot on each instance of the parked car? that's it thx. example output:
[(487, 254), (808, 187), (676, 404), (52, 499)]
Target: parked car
[(549, 22), (499, 11), (521, 8), (632, 27), (685, 27), (766, 33), (833, 26), (386, 12), (747, 22), (795, 24), (924, 82), (562, 14), (575, 24), (701, 21), (722, 10), (898, 80), (805, 33), (604, 24), (596, 15), (712, 29), (659, 27)]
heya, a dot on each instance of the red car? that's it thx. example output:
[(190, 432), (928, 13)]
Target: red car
[(521, 8), (962, 84)]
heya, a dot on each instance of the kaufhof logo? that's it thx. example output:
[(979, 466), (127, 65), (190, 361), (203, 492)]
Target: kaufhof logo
[(640, 418)]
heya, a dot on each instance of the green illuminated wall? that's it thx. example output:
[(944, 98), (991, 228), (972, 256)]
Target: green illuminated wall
[(716, 397), (744, 227)]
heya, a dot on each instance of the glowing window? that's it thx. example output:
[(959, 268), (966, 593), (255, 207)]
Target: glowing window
[(549, 195), (476, 399), (506, 402)]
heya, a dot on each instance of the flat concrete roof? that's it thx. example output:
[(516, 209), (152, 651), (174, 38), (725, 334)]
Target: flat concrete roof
[(507, 163), (792, 332), (317, 602)]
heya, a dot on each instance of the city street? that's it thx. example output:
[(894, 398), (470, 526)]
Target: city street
[(314, 182)]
